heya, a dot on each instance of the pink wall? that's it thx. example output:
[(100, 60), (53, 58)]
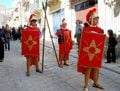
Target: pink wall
[(81, 15)]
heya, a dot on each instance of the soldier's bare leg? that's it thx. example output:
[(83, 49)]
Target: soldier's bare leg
[(28, 59)]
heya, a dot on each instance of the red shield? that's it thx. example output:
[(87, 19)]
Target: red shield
[(91, 50), (30, 43)]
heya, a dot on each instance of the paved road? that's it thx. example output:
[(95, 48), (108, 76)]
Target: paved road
[(13, 78)]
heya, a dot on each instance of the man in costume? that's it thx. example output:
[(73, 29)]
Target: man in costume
[(31, 45), (91, 72), (65, 43)]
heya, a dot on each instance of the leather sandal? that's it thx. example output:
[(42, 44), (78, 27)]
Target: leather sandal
[(27, 74), (66, 64), (61, 66), (85, 89), (98, 86), (38, 71)]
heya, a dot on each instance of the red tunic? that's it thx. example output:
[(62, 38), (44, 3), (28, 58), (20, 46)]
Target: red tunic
[(66, 46)]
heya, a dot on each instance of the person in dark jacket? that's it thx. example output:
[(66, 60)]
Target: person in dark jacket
[(7, 37), (112, 42), (14, 34), (1, 44)]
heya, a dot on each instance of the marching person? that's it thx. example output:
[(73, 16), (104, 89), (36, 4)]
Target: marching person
[(89, 72), (65, 43), (32, 59)]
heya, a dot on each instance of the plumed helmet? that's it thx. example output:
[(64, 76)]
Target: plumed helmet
[(33, 17), (91, 15), (64, 21)]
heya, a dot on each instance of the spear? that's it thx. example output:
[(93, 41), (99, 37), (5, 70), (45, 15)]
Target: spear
[(46, 20), (44, 28)]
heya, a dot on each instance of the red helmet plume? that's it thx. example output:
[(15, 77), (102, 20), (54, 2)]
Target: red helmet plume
[(89, 14), (31, 16), (64, 21)]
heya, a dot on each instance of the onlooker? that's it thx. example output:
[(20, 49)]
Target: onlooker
[(20, 28), (86, 24), (7, 37), (112, 42), (2, 44), (78, 30), (14, 34)]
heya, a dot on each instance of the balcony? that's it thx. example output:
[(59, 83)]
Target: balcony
[(53, 2), (76, 1), (54, 5), (73, 2), (25, 3)]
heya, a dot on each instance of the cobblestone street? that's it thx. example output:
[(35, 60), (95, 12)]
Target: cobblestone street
[(13, 78)]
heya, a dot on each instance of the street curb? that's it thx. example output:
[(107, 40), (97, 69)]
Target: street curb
[(111, 70), (104, 67)]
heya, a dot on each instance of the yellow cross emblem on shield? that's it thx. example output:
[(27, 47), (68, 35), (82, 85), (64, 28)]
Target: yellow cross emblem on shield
[(91, 50), (30, 42)]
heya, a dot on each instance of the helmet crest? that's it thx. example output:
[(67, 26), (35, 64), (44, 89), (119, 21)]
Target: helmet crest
[(90, 14)]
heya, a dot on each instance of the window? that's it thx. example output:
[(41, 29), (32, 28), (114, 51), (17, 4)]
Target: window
[(85, 5), (92, 2), (79, 7)]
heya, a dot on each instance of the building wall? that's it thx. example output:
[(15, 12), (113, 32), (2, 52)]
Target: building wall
[(3, 17), (70, 17), (68, 14), (81, 15), (57, 17), (2, 20), (108, 19)]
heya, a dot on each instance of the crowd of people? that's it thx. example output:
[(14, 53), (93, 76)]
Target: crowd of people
[(6, 35)]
